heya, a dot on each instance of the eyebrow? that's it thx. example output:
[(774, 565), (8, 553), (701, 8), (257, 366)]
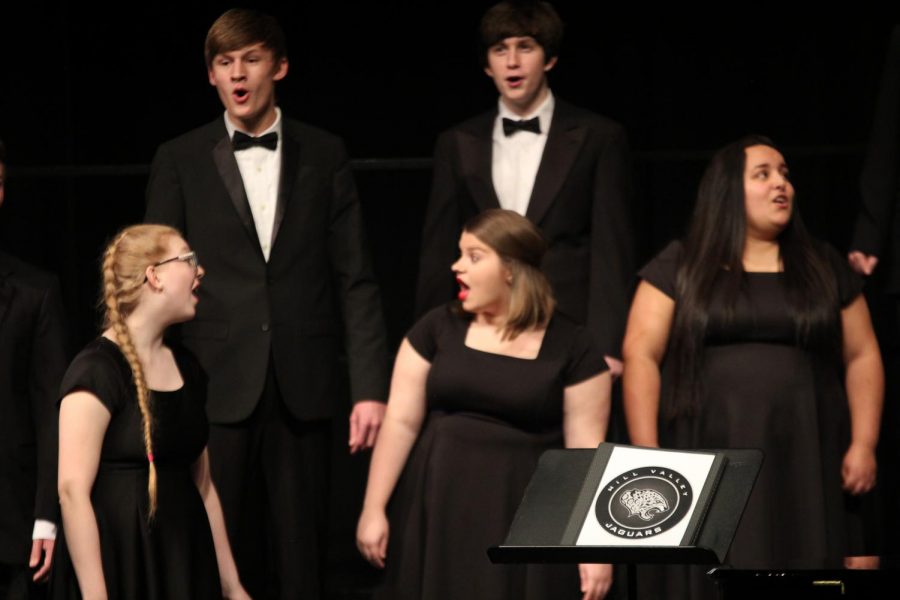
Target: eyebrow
[(767, 165), (237, 52), (519, 39)]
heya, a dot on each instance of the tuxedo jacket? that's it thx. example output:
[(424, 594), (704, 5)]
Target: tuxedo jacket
[(579, 201), (877, 230), (32, 362), (315, 300)]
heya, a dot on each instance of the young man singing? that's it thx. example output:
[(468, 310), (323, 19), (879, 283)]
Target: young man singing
[(564, 168), (270, 207)]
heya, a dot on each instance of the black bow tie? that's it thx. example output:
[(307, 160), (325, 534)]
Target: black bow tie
[(510, 126), (242, 141)]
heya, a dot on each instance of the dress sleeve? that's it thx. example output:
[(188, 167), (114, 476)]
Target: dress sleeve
[(424, 334), (585, 358), (660, 272), (95, 372), (850, 285)]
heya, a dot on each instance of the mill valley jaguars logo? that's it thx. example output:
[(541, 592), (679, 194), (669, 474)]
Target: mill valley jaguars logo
[(643, 502)]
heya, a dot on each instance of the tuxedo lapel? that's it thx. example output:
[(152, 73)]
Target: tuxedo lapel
[(475, 146), (6, 291), (564, 140), (290, 154), (223, 155)]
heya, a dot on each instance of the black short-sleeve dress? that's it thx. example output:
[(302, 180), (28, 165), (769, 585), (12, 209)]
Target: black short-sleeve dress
[(761, 390), (173, 557), (489, 418)]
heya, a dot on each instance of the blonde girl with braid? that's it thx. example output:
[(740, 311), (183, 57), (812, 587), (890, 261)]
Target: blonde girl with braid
[(141, 516)]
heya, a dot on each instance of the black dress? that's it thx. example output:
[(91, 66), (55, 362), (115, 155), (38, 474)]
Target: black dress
[(489, 419), (759, 389), (173, 557)]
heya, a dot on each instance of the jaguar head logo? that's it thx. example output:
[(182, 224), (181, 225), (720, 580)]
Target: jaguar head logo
[(644, 504)]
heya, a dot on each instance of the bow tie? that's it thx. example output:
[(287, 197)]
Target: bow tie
[(242, 141), (510, 126)]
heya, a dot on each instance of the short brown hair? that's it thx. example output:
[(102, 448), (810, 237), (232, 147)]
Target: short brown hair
[(241, 27), (519, 19), (521, 247)]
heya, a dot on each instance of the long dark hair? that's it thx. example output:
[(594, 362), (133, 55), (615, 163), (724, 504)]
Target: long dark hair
[(712, 266)]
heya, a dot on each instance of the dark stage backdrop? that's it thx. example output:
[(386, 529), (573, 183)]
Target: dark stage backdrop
[(86, 95)]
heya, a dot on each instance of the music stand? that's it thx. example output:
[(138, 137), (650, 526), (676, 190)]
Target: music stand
[(542, 530)]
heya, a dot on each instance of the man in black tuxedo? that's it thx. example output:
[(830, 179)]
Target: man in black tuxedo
[(32, 362), (564, 168), (875, 252), (270, 207), (876, 235)]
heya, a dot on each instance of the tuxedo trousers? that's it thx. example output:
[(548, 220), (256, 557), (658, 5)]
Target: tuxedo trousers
[(16, 584), (271, 473)]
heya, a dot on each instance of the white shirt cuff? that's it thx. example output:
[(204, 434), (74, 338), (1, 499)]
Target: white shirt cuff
[(44, 530)]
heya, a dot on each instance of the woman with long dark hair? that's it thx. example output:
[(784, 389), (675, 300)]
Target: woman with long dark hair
[(480, 389), (765, 341)]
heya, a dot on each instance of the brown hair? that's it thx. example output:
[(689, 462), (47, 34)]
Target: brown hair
[(521, 247), (241, 27), (125, 263), (519, 19)]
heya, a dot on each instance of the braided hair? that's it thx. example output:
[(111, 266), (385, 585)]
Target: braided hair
[(124, 266)]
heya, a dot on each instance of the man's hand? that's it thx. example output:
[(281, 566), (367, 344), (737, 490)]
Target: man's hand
[(365, 421), (615, 366), (864, 264), (39, 547)]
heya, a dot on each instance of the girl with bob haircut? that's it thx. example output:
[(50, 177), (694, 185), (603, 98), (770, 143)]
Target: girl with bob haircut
[(750, 333), (480, 389), (141, 517)]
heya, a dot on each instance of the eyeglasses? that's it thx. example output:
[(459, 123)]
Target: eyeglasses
[(190, 258)]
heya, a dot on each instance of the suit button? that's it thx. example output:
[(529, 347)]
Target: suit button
[(265, 326)]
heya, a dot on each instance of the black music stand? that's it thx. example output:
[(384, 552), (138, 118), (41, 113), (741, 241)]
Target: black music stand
[(541, 531)]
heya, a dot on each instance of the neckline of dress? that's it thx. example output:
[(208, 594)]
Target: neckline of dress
[(489, 353), (118, 349)]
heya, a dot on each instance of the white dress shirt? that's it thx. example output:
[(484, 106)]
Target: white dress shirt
[(260, 170), (515, 159)]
